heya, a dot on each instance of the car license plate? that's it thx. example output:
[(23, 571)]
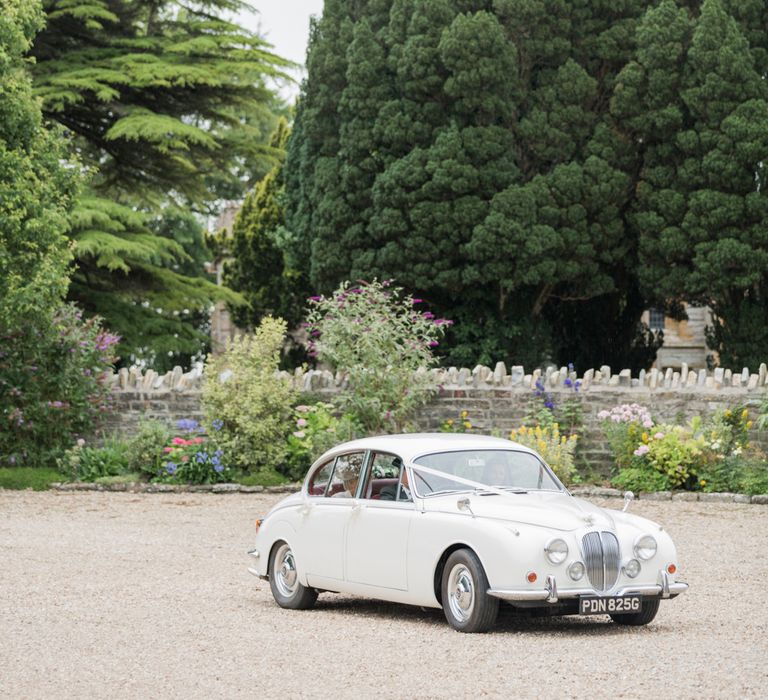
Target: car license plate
[(610, 606)]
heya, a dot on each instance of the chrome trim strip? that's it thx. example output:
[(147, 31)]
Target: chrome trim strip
[(254, 553)]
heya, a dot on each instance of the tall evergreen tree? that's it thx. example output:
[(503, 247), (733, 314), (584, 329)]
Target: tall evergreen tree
[(168, 104), (697, 102)]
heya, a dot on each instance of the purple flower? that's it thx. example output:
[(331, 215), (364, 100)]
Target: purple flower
[(428, 315), (549, 403), (187, 424), (217, 424), (568, 382), (433, 343), (416, 301), (316, 298), (170, 467)]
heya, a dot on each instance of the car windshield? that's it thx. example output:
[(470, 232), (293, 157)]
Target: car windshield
[(510, 470)]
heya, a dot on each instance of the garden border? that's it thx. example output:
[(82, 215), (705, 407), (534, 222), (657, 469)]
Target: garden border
[(581, 491)]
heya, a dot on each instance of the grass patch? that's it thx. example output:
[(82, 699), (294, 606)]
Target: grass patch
[(37, 479), (267, 477), (129, 478)]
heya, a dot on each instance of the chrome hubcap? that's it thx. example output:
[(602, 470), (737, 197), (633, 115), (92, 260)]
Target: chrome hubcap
[(461, 592), (285, 571)]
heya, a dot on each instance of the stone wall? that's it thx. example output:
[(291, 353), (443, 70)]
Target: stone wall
[(496, 399)]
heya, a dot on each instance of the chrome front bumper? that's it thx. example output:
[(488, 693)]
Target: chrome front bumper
[(551, 593)]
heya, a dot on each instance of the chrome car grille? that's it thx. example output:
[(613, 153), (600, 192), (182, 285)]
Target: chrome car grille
[(602, 559)]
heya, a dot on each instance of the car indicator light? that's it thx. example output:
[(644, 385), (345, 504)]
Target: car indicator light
[(531, 577), (671, 569), (259, 521)]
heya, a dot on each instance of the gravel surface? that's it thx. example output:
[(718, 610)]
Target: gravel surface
[(119, 595)]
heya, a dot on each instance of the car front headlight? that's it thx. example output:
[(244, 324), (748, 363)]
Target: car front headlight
[(556, 551), (645, 547), (632, 568), (576, 571)]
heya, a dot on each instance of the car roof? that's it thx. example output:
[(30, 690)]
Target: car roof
[(408, 446)]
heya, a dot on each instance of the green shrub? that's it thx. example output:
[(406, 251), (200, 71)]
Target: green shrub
[(35, 478), (146, 453), (83, 463), (737, 473), (315, 430), (52, 387), (641, 478), (374, 334), (247, 404)]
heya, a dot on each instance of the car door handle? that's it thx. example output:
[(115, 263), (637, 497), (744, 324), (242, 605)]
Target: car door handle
[(305, 509), (357, 507)]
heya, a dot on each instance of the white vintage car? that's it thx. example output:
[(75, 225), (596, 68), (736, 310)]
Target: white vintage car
[(461, 522)]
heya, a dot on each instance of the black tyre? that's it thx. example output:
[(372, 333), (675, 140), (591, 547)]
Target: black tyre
[(646, 614), (466, 603), (284, 580)]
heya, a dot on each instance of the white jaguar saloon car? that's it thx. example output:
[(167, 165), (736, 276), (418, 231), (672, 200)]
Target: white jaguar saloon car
[(462, 523)]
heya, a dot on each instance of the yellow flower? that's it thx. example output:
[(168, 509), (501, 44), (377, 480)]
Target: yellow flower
[(467, 424), (703, 482), (464, 414), (645, 437), (449, 421), (744, 413), (728, 413), (749, 424)]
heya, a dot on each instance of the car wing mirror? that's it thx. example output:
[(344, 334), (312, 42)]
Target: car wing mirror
[(463, 504), (628, 498)]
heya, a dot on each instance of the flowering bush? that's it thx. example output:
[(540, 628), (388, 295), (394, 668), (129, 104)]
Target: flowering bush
[(247, 403), (623, 426), (556, 449), (374, 333), (192, 458), (52, 388), (316, 429), (462, 425), (674, 451)]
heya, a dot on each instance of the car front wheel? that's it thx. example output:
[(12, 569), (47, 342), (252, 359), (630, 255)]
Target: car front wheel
[(466, 603), (646, 614), (284, 580)]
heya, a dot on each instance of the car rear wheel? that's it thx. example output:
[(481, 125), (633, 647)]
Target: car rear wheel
[(284, 580), (646, 614), (466, 603)]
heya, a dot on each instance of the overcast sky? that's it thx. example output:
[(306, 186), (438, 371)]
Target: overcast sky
[(285, 24)]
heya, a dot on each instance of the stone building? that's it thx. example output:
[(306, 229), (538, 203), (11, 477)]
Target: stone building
[(684, 341)]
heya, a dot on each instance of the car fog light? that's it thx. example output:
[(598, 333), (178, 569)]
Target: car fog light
[(556, 551), (576, 571), (632, 568), (645, 547)]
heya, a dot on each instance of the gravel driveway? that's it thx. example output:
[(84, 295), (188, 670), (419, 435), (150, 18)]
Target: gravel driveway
[(119, 595)]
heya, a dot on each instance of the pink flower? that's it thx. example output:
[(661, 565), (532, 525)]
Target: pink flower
[(640, 451), (647, 423), (301, 423), (167, 449), (179, 441), (185, 458), (299, 434), (80, 442), (658, 436)]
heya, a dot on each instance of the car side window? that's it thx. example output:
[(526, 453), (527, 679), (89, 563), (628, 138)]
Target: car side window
[(384, 478), (346, 475), (319, 480)]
